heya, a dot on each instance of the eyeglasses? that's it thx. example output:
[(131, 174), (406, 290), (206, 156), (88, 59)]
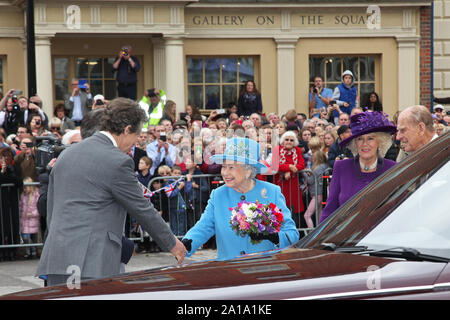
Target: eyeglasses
[(292, 140)]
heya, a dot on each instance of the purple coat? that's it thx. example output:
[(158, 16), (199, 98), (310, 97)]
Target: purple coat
[(347, 180)]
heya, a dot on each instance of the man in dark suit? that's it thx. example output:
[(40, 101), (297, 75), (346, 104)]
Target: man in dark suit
[(127, 66), (91, 187)]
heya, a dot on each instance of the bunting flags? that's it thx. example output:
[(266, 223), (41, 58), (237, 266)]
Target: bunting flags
[(167, 189)]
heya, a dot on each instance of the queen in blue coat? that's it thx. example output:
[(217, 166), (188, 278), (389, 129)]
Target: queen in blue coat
[(240, 164)]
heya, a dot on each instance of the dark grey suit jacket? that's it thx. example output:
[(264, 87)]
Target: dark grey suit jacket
[(91, 187)]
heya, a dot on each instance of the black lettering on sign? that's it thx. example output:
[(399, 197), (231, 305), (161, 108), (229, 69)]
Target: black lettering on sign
[(262, 20), (218, 20)]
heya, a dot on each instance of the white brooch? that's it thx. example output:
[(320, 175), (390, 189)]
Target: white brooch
[(264, 193)]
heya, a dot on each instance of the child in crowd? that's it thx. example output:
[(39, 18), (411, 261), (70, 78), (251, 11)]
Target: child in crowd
[(177, 206), (143, 175), (345, 95), (29, 217), (314, 144), (196, 193), (319, 166)]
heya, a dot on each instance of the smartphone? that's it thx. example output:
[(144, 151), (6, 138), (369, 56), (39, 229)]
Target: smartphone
[(17, 92), (163, 136), (82, 83), (332, 102), (221, 111), (183, 115)]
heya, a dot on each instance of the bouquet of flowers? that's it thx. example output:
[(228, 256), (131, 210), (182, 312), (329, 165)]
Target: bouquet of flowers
[(256, 218)]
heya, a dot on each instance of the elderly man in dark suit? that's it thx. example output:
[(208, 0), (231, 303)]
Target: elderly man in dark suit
[(91, 187)]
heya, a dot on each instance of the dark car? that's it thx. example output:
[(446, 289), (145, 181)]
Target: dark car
[(390, 241)]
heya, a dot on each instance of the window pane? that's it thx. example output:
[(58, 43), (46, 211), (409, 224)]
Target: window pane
[(229, 96), (351, 63), (334, 69), (212, 97), (195, 70), (365, 89), (316, 68), (212, 70), (246, 69), (81, 68), (96, 87), (110, 89), (195, 96), (60, 66), (229, 70), (95, 68), (61, 88), (367, 68), (108, 62)]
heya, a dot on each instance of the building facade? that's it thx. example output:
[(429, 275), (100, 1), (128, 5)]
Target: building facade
[(201, 52), (441, 78)]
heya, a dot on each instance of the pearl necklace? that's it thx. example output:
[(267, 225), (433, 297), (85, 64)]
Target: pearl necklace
[(366, 167)]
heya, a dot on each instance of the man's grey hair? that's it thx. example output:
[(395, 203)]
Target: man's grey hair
[(91, 122), (417, 114), (384, 143)]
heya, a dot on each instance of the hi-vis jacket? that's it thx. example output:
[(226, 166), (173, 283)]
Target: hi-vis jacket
[(157, 112)]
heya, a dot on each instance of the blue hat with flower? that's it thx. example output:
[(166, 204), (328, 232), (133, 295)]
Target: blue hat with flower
[(243, 150)]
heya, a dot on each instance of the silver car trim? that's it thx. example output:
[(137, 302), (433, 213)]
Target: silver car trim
[(354, 294)]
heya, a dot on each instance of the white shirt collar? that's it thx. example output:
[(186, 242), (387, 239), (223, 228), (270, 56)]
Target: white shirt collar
[(106, 133)]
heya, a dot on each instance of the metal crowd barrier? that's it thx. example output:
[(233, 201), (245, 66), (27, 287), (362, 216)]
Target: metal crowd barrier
[(195, 208), (10, 236), (214, 180)]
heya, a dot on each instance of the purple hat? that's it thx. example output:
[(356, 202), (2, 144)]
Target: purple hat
[(367, 122)]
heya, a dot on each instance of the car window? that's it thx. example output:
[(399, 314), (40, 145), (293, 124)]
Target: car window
[(422, 221), (410, 198)]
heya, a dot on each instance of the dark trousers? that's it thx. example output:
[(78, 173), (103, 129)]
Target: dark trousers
[(127, 90)]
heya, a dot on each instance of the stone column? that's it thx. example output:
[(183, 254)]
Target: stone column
[(159, 63), (286, 76), (407, 73), (44, 84), (175, 88)]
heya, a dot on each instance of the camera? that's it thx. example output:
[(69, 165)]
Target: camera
[(163, 136), (341, 156), (47, 148), (99, 102), (15, 101), (125, 52), (332, 102)]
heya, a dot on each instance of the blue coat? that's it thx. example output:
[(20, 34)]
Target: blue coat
[(215, 220)]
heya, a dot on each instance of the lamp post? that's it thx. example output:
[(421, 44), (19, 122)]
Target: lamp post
[(31, 54)]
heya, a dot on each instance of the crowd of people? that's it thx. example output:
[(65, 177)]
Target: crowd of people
[(181, 144)]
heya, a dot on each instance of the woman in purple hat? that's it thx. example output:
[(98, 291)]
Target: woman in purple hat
[(370, 140)]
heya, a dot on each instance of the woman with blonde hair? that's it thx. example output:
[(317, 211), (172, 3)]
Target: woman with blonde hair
[(170, 111)]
